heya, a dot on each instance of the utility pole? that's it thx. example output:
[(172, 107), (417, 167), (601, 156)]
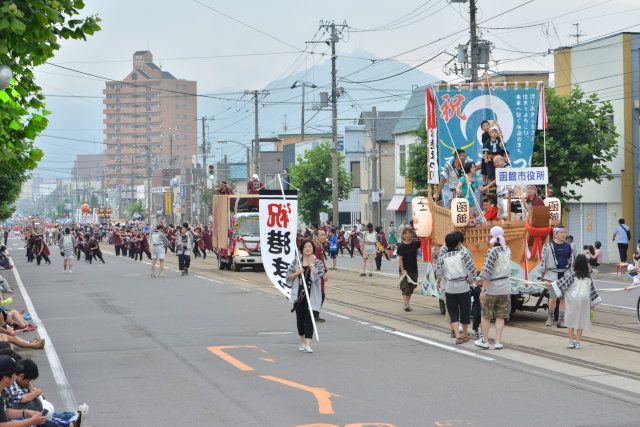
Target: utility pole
[(149, 177), (132, 184), (204, 167), (475, 55), (332, 40), (374, 168), (120, 184), (303, 85), (256, 141)]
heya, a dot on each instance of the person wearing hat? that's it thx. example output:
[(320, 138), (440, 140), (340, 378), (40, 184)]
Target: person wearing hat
[(490, 148), (556, 261), (8, 370), (254, 186)]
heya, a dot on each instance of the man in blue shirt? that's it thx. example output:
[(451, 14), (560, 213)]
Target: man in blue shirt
[(623, 233)]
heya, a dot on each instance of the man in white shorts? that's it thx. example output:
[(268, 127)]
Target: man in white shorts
[(159, 244), (67, 248)]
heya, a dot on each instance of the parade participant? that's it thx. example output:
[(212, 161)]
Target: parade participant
[(333, 248), (490, 148), (184, 243), (197, 243), (369, 240), (623, 234), (202, 243), (456, 267), (144, 245), (94, 250), (342, 242), (354, 242), (451, 174), (581, 296), (489, 208), (393, 238), (159, 244), (596, 260), (495, 295), (5, 235), (37, 343), (41, 250), (557, 258), (208, 240), (408, 260), (254, 186), (67, 246), (321, 238), (503, 191), (30, 240), (531, 198), (467, 185), (381, 245), (116, 238), (224, 188), (312, 269)]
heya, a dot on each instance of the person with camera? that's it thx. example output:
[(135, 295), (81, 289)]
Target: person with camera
[(184, 243)]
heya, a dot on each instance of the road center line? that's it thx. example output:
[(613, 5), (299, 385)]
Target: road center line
[(68, 398)]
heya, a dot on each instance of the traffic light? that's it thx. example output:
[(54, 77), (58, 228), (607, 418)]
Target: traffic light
[(212, 173)]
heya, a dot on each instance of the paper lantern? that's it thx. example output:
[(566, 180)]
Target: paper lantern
[(555, 214), (422, 219), (460, 212)]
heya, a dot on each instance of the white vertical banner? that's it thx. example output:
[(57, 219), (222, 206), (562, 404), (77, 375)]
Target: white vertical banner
[(278, 225), (431, 123), (433, 156)]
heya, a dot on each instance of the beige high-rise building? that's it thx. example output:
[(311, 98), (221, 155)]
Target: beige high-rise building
[(150, 119)]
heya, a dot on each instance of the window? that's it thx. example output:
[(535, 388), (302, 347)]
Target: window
[(177, 86), (184, 96), (403, 158), (177, 127), (185, 137), (184, 117), (184, 127), (355, 174), (177, 107), (185, 157), (184, 87), (184, 107), (177, 96), (177, 116)]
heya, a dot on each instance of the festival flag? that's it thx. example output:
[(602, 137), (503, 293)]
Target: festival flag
[(278, 225), (542, 111), (432, 131)]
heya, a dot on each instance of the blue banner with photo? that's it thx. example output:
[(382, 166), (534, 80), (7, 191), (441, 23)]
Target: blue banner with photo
[(462, 111)]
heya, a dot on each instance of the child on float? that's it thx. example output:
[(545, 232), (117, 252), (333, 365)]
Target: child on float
[(581, 296)]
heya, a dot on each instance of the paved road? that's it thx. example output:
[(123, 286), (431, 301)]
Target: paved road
[(203, 351)]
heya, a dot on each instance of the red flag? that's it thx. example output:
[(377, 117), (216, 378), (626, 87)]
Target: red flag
[(430, 103), (542, 111)]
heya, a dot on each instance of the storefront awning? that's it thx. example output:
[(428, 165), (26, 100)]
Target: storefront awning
[(398, 203)]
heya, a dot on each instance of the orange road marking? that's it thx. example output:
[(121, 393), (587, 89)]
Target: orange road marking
[(266, 360), (319, 425), (322, 395), (218, 351)]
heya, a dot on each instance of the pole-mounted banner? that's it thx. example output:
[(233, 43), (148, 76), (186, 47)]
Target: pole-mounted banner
[(278, 220), (432, 132)]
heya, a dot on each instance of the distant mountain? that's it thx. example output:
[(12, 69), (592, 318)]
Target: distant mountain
[(360, 81)]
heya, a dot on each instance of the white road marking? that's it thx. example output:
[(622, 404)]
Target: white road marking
[(441, 346), (276, 333), (618, 306), (336, 315), (68, 398)]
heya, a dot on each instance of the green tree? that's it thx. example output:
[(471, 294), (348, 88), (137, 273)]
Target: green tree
[(310, 174), (415, 168), (29, 36), (581, 140), (137, 207)]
